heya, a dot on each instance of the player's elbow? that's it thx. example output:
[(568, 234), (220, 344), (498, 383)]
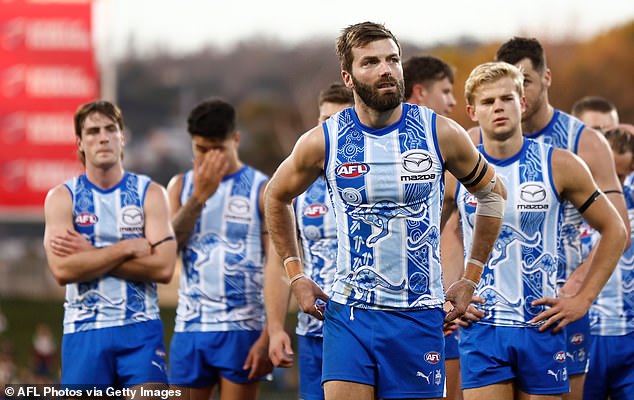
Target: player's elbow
[(164, 275), (62, 275)]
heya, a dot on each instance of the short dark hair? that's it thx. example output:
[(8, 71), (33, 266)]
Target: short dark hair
[(213, 119), (359, 35), (592, 103), (106, 108), (424, 70), (620, 139), (337, 93), (519, 48)]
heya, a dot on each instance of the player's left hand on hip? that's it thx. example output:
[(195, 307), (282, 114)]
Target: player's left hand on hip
[(562, 311)]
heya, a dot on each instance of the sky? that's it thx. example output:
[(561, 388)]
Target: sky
[(184, 26)]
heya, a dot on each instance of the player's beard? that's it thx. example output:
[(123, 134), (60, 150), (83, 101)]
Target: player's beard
[(380, 102)]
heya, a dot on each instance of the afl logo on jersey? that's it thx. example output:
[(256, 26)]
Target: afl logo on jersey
[(86, 219), (131, 220), (315, 210), (470, 200), (352, 170), (432, 357)]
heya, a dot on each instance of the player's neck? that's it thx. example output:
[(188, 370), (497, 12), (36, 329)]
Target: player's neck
[(539, 120), (377, 119), (105, 178), (503, 148)]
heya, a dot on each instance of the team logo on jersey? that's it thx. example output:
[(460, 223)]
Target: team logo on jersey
[(315, 210), (352, 170), (533, 197), (470, 203), (131, 220), (432, 357), (238, 209), (560, 356), (577, 339), (86, 219), (416, 166)]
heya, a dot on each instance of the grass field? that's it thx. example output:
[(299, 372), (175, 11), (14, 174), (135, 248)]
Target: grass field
[(23, 316)]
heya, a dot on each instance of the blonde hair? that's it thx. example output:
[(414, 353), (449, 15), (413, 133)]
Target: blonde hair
[(491, 72)]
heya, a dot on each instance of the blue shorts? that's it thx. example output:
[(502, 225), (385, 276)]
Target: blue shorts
[(451, 345), (400, 353), (611, 371), (198, 359), (535, 360), (121, 356), (578, 345), (310, 360)]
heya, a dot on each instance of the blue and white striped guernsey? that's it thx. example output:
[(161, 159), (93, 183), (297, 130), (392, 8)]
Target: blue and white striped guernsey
[(222, 278), (563, 132), (523, 263), (106, 217), (386, 186), (612, 313), (318, 232)]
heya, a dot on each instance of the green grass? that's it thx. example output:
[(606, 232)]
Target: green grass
[(23, 315)]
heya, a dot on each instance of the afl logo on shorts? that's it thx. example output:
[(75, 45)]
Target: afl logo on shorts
[(352, 170), (432, 357), (86, 219), (576, 339), (560, 356), (131, 220), (315, 210)]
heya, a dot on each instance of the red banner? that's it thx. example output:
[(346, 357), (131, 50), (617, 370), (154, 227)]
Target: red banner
[(47, 69)]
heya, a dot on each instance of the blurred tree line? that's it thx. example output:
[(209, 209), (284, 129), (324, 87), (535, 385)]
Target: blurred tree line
[(274, 88)]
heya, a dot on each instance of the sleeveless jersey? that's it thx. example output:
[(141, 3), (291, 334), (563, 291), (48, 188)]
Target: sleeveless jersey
[(523, 263), (386, 186), (105, 217), (318, 232), (612, 313), (222, 278), (563, 132)]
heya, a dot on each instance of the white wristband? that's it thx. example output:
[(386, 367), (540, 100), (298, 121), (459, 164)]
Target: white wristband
[(297, 277), (289, 259)]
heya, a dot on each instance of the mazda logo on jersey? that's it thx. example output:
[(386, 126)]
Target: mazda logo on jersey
[(315, 210), (532, 192), (352, 170), (132, 216), (416, 161), (131, 220), (239, 206), (533, 197), (86, 219), (416, 166)]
